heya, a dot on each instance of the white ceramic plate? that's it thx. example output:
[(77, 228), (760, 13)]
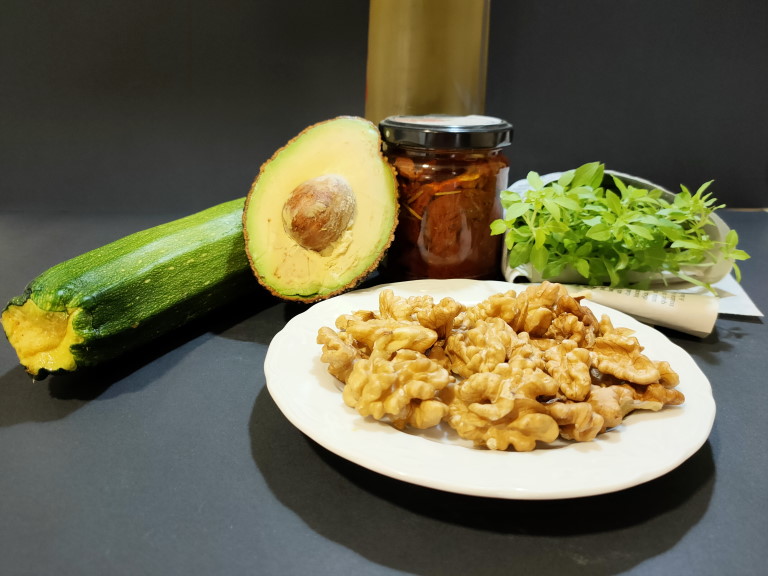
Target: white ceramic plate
[(646, 446)]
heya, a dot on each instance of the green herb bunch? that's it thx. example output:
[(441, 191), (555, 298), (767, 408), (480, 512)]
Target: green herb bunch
[(611, 235)]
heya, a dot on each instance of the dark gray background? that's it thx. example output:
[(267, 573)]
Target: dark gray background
[(172, 106), (175, 460)]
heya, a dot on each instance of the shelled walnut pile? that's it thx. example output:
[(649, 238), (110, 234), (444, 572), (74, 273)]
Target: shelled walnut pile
[(512, 371)]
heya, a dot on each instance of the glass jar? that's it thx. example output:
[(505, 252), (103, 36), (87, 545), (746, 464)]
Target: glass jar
[(450, 170)]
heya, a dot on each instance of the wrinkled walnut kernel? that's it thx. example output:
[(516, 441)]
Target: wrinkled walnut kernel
[(514, 370)]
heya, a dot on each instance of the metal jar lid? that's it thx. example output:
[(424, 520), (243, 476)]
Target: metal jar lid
[(440, 131)]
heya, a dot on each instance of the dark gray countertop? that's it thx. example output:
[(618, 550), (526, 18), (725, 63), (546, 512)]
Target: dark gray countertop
[(175, 460)]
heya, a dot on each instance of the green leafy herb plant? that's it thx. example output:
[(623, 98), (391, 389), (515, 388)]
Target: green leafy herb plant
[(616, 235)]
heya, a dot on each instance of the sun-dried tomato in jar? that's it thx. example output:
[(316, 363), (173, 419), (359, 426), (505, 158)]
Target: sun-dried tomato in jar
[(450, 170)]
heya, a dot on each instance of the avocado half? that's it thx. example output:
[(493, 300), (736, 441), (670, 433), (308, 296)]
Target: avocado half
[(322, 211)]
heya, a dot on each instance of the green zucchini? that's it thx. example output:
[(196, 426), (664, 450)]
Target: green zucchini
[(103, 303)]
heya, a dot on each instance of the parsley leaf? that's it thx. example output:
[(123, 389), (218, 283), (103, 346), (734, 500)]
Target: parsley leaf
[(606, 234)]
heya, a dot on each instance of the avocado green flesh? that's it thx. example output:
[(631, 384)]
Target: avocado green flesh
[(348, 147), (129, 292)]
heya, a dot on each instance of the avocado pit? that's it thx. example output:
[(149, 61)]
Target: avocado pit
[(318, 211)]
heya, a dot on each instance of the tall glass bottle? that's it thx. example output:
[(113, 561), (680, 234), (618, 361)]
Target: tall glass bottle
[(426, 57)]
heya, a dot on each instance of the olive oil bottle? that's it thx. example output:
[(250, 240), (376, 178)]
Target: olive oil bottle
[(426, 57)]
